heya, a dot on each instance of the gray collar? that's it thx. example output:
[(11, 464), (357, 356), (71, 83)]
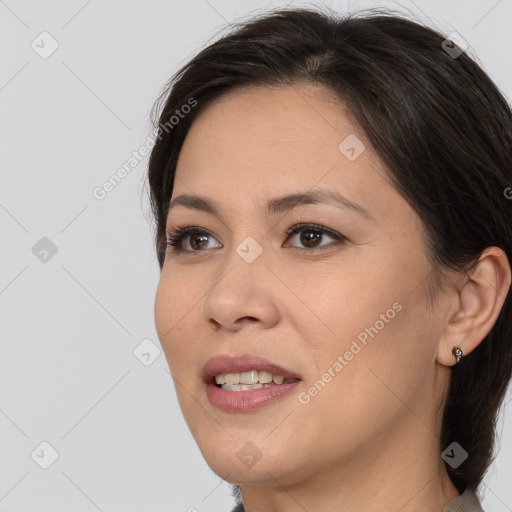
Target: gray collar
[(466, 502)]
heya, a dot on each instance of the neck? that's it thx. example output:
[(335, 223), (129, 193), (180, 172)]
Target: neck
[(399, 470)]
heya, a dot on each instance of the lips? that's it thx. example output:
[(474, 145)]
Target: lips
[(243, 363)]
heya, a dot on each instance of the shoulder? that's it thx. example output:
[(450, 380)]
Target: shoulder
[(466, 502)]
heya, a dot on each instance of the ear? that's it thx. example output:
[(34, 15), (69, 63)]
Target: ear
[(476, 304)]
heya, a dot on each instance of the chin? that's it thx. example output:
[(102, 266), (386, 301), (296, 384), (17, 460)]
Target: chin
[(244, 458)]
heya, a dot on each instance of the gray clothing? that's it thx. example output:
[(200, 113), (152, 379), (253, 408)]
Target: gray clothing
[(466, 502)]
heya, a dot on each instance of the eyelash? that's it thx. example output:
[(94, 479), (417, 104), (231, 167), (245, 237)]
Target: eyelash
[(175, 238)]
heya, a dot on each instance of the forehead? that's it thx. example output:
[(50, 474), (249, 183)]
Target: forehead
[(264, 141), (299, 114)]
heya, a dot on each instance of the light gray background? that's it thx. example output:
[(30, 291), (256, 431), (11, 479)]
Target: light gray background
[(69, 325)]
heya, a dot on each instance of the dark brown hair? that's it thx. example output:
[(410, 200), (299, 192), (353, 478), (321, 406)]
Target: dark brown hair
[(440, 126)]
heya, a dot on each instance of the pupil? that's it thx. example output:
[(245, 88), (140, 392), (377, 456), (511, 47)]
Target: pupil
[(198, 241), (310, 237)]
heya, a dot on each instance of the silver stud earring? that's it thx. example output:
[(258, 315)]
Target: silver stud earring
[(458, 354)]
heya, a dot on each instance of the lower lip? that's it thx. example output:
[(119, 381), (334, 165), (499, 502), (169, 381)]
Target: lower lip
[(240, 401)]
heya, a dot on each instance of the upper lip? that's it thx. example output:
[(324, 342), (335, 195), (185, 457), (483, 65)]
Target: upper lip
[(237, 364)]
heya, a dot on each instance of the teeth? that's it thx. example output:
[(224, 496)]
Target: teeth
[(232, 378), (241, 387), (265, 377), (251, 379)]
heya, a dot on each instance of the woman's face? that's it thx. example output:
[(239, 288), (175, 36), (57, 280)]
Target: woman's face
[(341, 310)]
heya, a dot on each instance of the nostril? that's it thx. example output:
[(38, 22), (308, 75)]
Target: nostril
[(214, 323)]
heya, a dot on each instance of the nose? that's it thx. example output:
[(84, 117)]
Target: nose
[(242, 296)]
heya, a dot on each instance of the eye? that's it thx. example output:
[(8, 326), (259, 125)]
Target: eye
[(311, 236), (190, 239)]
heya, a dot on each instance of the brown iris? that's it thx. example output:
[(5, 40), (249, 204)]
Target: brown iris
[(310, 237), (198, 242)]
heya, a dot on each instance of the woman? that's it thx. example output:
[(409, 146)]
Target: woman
[(334, 235)]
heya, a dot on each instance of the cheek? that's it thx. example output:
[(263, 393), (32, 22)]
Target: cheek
[(375, 381), (176, 306), (351, 301), (177, 295), (375, 319), (165, 309)]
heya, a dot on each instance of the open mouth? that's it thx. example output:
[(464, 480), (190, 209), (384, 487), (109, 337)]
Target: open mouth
[(243, 383), (249, 380)]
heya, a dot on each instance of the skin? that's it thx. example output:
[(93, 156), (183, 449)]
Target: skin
[(369, 441)]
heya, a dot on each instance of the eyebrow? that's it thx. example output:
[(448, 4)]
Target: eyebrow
[(279, 204)]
